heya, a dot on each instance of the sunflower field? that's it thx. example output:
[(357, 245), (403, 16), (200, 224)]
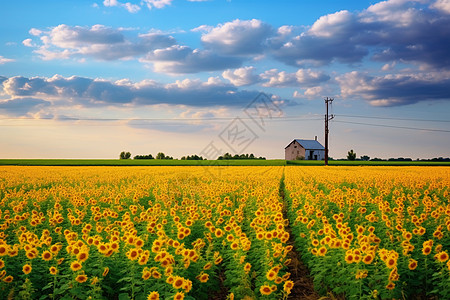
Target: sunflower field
[(197, 232), (142, 233), (373, 232)]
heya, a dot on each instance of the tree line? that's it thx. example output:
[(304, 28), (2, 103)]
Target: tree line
[(161, 155), (351, 155)]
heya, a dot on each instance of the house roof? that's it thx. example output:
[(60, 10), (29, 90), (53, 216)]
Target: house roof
[(309, 144)]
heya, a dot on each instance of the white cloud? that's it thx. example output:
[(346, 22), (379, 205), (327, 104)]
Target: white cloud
[(241, 76), (157, 3), (28, 43), (443, 5), (390, 31), (303, 77), (182, 59), (332, 24), (132, 8), (110, 3), (87, 92), (239, 37), (4, 60), (203, 28), (98, 41), (22, 106), (395, 89), (35, 32)]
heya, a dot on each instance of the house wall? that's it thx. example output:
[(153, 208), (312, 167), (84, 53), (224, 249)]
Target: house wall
[(293, 151), (314, 154)]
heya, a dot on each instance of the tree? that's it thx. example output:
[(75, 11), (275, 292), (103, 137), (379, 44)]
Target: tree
[(124, 155), (365, 157), (160, 155), (351, 155), (144, 157)]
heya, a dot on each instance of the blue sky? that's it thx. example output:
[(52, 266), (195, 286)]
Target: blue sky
[(89, 79)]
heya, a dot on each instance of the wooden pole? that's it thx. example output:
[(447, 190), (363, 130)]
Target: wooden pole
[(327, 118)]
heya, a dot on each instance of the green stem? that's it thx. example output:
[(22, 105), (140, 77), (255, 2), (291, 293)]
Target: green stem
[(132, 279), (54, 286)]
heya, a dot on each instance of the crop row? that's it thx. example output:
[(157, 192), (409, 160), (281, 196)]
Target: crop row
[(142, 233), (378, 232)]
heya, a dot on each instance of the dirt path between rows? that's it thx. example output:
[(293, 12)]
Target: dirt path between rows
[(303, 283)]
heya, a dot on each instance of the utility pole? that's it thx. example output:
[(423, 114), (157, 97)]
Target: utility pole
[(327, 118)]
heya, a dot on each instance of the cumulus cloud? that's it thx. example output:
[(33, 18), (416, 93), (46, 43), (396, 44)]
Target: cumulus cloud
[(134, 8), (394, 90), (239, 37), (97, 92), (157, 3), (22, 106), (393, 30), (183, 59), (241, 76), (303, 77), (98, 41), (4, 60), (443, 5)]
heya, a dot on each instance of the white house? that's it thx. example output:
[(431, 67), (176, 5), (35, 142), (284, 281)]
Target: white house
[(306, 149)]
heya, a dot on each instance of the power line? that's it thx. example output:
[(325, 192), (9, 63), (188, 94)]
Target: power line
[(168, 119), (155, 121), (391, 118), (392, 126)]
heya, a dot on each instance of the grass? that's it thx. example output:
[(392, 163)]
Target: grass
[(366, 163), (231, 162), (140, 162)]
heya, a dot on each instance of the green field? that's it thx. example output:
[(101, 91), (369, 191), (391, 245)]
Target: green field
[(231, 162), (140, 162)]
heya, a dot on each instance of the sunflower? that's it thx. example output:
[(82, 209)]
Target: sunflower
[(391, 262), (426, 250), (47, 255), (271, 275), (349, 258), (8, 278), (81, 278), (234, 246), (322, 251), (203, 277), (288, 285), (3, 250), (207, 266), (368, 259), (83, 256), (132, 254), (218, 260), (442, 256), (75, 266), (218, 233), (265, 290), (179, 296), (247, 267), (26, 269), (178, 282), (146, 274), (390, 286), (156, 274), (153, 296), (412, 264), (393, 276), (53, 270), (2, 264)]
